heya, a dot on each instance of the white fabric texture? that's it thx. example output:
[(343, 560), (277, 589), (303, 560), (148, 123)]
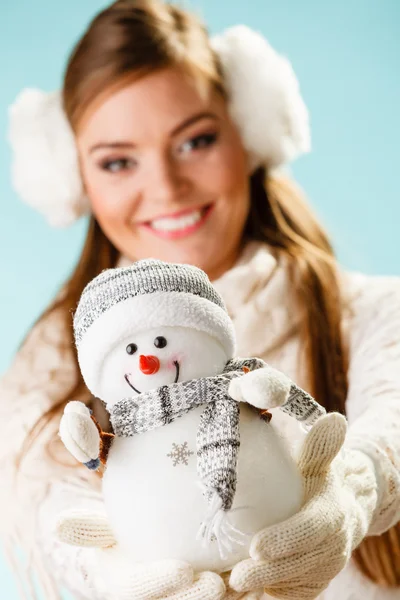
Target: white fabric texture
[(269, 490), (296, 559), (256, 291)]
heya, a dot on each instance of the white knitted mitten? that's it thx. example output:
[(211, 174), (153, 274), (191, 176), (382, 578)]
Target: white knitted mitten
[(296, 559), (167, 579), (79, 433), (232, 595)]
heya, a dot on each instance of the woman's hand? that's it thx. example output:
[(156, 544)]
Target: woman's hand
[(298, 558), (167, 579), (124, 580)]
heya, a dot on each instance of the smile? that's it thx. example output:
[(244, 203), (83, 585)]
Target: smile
[(179, 225), (126, 376)]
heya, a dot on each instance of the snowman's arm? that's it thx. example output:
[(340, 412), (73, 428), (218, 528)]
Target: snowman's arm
[(106, 440), (269, 388), (83, 436), (302, 406)]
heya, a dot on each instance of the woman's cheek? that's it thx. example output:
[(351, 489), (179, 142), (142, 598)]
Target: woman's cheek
[(229, 177), (108, 204), (101, 208)]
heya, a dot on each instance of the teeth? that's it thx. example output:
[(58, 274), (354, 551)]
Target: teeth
[(176, 223)]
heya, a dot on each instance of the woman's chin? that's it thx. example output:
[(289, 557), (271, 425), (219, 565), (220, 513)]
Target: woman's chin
[(199, 252)]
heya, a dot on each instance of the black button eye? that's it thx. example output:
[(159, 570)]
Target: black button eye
[(160, 342), (131, 348)]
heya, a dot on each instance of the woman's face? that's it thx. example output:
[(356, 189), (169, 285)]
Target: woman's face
[(166, 172)]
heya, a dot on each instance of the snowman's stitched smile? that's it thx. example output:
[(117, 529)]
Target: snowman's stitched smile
[(177, 367)]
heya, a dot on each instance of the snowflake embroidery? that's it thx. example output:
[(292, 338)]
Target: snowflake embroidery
[(180, 454)]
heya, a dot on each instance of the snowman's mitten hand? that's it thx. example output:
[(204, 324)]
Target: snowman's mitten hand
[(263, 388), (166, 579), (296, 559), (84, 528), (80, 434)]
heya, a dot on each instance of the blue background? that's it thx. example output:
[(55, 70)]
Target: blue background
[(346, 55)]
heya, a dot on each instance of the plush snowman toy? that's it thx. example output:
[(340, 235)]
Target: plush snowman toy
[(194, 467)]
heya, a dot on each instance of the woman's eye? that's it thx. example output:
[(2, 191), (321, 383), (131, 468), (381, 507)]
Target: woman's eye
[(199, 142), (160, 342), (131, 348), (116, 165)]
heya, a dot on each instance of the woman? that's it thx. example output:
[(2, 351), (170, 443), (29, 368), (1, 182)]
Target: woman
[(177, 141)]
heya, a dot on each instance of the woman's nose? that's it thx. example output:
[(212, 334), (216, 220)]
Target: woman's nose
[(166, 183), (149, 364)]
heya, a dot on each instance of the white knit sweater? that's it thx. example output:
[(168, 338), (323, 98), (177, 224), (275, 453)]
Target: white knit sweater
[(257, 294)]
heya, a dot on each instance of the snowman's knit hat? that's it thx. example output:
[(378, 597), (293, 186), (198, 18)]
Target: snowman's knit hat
[(149, 293)]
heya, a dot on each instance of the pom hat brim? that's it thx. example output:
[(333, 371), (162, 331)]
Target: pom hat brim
[(139, 313)]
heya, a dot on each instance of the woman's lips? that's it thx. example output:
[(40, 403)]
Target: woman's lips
[(179, 225)]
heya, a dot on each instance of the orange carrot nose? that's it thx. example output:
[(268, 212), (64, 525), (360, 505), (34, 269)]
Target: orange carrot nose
[(149, 364)]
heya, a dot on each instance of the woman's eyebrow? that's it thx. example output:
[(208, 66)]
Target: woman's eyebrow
[(190, 121), (101, 145), (194, 119)]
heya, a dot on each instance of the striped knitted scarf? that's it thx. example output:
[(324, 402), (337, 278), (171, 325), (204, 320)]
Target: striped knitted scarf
[(218, 437), (218, 434)]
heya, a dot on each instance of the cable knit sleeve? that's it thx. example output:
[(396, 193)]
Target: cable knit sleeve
[(373, 404), (75, 569), (34, 495)]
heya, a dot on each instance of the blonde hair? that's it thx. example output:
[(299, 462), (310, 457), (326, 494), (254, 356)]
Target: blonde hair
[(129, 39)]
